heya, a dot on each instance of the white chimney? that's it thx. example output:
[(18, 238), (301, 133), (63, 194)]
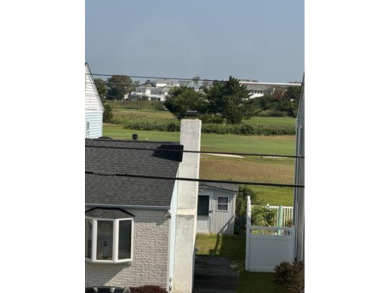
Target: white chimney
[(190, 133)]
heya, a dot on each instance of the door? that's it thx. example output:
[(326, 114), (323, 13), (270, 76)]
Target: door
[(203, 214)]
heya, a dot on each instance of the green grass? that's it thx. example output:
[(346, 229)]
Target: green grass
[(273, 196), (116, 131), (258, 282), (230, 246), (272, 121), (257, 169), (283, 145), (233, 247)]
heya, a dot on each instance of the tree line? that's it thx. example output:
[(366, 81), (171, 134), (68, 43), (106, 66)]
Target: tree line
[(229, 102), (217, 102)]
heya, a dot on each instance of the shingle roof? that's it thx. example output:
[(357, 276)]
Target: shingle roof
[(226, 186), (107, 157)]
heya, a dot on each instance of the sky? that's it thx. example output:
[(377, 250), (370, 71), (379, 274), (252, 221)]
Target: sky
[(259, 40)]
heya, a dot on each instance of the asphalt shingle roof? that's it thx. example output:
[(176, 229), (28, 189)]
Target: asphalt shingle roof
[(108, 157), (226, 186)]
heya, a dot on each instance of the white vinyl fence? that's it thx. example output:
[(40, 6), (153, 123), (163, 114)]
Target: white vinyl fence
[(267, 247), (284, 216)]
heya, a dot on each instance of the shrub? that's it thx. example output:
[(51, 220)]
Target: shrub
[(273, 113), (209, 118), (147, 289), (263, 216), (283, 272), (107, 114), (171, 127), (292, 275), (239, 129)]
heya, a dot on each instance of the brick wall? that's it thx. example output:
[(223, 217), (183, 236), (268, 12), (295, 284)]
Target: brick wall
[(150, 255)]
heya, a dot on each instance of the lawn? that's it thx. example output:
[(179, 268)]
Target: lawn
[(248, 168), (233, 247), (283, 145), (272, 121)]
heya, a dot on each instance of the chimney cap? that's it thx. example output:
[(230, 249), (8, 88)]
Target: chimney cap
[(191, 113)]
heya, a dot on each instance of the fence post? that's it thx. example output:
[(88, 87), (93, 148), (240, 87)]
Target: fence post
[(280, 215), (248, 231)]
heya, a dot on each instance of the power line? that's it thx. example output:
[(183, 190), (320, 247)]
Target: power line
[(200, 152), (185, 78), (193, 179), (154, 77)]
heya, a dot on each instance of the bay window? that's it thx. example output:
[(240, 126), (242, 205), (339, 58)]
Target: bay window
[(108, 240)]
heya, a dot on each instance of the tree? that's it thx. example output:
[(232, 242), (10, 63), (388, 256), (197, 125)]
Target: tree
[(118, 87), (182, 99), (261, 214), (107, 114), (289, 101), (243, 192), (231, 100), (281, 101), (101, 87)]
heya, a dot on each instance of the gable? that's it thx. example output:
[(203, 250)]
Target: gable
[(92, 99)]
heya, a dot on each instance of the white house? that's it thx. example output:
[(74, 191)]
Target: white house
[(258, 89), (93, 107), (160, 88), (165, 82)]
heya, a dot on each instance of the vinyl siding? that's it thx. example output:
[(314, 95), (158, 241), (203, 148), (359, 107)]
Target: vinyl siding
[(93, 108), (221, 221), (95, 120)]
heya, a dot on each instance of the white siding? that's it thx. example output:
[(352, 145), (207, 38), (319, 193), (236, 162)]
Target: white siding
[(95, 120), (93, 108), (172, 237), (220, 221)]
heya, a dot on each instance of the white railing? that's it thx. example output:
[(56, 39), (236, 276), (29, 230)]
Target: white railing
[(279, 231)]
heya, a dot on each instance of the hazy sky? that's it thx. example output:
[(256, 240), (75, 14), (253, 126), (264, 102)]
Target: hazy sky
[(249, 39)]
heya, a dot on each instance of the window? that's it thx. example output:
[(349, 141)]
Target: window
[(108, 240), (203, 205), (223, 203)]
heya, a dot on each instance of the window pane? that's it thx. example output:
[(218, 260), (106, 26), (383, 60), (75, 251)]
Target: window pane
[(124, 248), (223, 200), (223, 203), (88, 238), (104, 240), (203, 205)]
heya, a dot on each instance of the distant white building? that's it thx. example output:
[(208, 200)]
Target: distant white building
[(259, 89), (93, 107), (159, 89), (165, 82)]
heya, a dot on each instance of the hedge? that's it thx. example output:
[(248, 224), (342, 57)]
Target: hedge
[(241, 129)]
